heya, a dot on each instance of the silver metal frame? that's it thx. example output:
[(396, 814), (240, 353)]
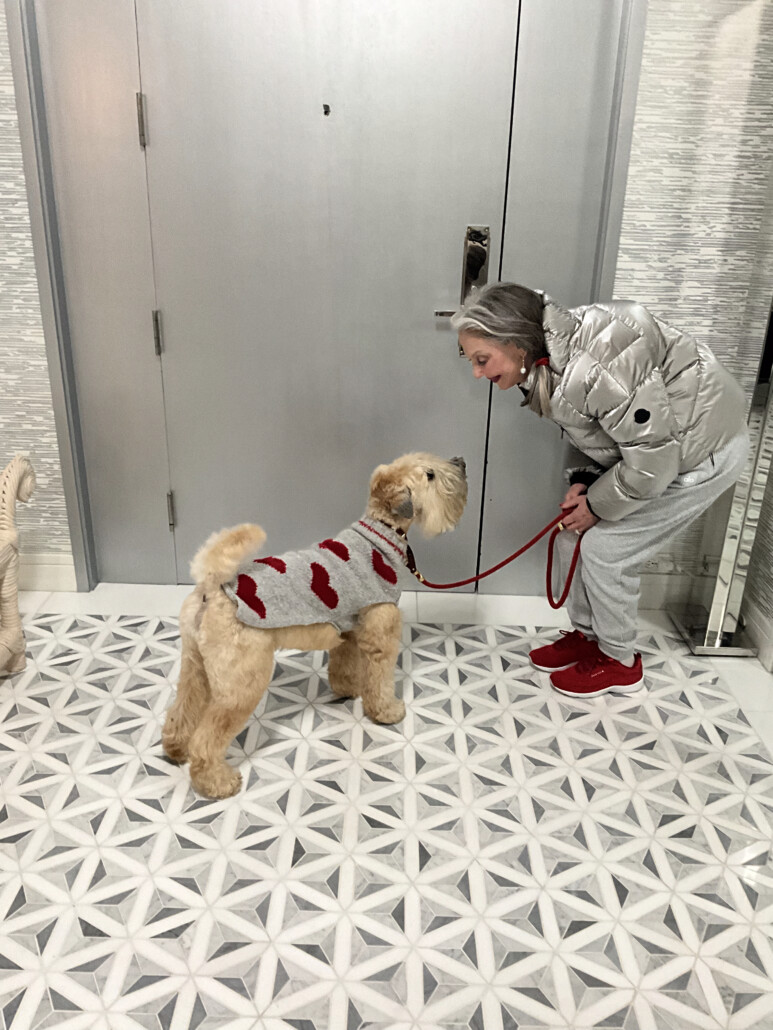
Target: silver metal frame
[(33, 130), (691, 620)]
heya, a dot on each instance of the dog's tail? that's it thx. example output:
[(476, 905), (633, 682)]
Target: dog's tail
[(220, 557)]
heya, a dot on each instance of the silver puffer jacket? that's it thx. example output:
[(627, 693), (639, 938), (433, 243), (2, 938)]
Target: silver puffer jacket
[(641, 399)]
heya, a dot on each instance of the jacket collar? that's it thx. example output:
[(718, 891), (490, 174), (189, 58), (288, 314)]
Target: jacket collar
[(559, 324)]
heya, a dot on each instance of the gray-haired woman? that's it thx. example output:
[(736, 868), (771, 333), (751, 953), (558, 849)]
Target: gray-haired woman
[(663, 425)]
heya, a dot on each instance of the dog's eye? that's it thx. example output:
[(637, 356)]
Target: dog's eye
[(430, 474)]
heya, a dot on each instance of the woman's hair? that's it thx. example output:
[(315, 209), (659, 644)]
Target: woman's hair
[(510, 314)]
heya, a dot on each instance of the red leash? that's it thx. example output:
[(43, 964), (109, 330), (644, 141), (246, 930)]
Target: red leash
[(555, 526)]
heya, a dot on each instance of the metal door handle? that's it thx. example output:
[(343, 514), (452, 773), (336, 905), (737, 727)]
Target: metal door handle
[(475, 259)]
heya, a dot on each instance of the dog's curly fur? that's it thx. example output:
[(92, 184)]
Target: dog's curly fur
[(227, 665)]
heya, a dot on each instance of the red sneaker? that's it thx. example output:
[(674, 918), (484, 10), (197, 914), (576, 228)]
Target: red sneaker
[(599, 675), (571, 648)]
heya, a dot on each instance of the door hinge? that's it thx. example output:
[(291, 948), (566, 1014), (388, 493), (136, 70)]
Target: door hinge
[(157, 338), (142, 121), (170, 510)]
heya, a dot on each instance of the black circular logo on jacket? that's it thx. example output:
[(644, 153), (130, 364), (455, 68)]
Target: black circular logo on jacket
[(641, 415)]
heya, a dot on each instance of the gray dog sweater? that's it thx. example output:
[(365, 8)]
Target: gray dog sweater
[(330, 582)]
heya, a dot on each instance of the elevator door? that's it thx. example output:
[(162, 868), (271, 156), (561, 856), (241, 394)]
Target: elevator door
[(312, 170)]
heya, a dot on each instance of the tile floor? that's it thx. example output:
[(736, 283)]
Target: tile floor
[(505, 858)]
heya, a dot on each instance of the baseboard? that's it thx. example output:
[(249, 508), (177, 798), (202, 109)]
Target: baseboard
[(54, 571), (659, 589)]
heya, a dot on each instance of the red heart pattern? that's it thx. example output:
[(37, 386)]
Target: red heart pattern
[(274, 563), (320, 585), (339, 550), (383, 568), (246, 591)]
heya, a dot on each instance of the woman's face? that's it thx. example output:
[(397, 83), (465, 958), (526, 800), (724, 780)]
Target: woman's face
[(499, 363)]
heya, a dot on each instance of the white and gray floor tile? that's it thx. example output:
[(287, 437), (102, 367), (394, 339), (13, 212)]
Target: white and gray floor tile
[(505, 858)]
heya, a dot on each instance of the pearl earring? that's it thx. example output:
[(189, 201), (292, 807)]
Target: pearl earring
[(523, 370)]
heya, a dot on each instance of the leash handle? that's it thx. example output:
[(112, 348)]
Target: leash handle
[(474, 579)]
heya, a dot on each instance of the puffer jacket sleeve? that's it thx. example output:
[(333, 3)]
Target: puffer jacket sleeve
[(579, 467), (643, 426)]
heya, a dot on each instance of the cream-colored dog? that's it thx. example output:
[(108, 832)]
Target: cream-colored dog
[(227, 663)]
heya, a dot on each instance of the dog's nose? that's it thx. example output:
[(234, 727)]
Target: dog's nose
[(460, 462)]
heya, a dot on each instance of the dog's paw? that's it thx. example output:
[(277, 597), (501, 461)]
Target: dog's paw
[(222, 782), (341, 689), (174, 749), (387, 714)]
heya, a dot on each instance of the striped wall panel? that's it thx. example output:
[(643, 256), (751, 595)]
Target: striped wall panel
[(26, 415)]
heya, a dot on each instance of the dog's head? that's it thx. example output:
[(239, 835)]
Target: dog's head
[(419, 488)]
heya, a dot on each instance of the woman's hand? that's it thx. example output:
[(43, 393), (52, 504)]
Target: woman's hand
[(580, 518), (573, 494)]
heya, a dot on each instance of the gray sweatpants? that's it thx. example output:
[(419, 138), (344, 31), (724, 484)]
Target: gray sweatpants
[(604, 598)]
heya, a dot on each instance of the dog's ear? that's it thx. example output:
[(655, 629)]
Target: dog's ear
[(389, 491), (405, 508)]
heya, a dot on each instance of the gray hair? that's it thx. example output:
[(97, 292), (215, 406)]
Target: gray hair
[(509, 314)]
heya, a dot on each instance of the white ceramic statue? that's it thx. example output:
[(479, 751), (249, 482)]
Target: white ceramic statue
[(17, 481)]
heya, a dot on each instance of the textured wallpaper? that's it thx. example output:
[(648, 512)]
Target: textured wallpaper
[(695, 244), (26, 416), (699, 173)]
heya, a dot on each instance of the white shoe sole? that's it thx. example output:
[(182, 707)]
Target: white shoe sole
[(554, 668), (628, 688)]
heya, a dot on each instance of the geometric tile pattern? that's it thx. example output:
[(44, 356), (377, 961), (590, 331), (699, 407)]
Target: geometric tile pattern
[(504, 858)]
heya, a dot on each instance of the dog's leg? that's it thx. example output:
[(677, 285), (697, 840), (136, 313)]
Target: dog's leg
[(239, 673), (346, 668), (192, 698), (378, 637), (192, 689)]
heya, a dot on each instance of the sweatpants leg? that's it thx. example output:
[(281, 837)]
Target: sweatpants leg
[(605, 604), (577, 602)]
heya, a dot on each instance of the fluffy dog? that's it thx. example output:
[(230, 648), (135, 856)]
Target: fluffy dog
[(241, 611)]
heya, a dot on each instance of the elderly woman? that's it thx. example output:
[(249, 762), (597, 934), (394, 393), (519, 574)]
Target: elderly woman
[(662, 424)]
